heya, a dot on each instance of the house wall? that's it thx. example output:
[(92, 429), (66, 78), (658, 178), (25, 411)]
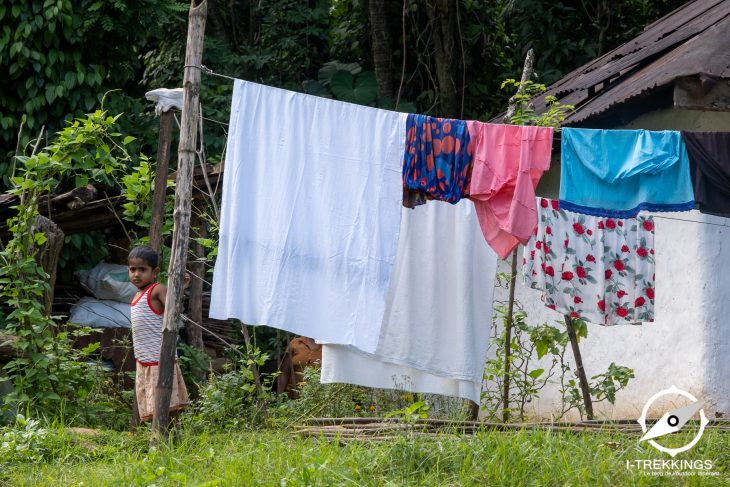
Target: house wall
[(688, 344)]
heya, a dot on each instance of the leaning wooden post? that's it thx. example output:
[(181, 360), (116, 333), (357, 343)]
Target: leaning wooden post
[(159, 195), (159, 192), (181, 216), (584, 387), (508, 338)]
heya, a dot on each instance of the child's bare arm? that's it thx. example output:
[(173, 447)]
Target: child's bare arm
[(158, 296), (159, 293)]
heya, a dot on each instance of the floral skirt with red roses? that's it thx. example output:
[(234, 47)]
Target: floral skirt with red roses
[(593, 268)]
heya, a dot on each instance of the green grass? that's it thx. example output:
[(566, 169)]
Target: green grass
[(277, 457)]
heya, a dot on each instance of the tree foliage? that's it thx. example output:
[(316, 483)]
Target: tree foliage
[(58, 57), (567, 34), (48, 374)]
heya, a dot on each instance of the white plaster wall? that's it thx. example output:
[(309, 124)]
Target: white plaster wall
[(688, 344)]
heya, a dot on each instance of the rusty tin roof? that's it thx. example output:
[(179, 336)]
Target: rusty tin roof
[(692, 40)]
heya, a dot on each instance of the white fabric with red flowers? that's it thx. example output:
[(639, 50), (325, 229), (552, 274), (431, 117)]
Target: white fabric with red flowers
[(594, 268)]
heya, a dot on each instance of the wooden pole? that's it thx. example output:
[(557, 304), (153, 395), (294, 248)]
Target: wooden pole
[(181, 229), (508, 338), (473, 411), (159, 192), (159, 195), (584, 387), (527, 71), (195, 291)]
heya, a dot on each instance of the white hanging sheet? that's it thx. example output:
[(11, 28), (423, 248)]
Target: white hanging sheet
[(310, 215), (435, 333)]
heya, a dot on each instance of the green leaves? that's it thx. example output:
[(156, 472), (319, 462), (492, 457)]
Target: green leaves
[(362, 90), (525, 113), (606, 385), (40, 238), (536, 373), (54, 56), (49, 372), (413, 412), (349, 83), (138, 187)]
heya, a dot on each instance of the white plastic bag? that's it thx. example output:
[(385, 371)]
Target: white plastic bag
[(108, 281), (96, 313)]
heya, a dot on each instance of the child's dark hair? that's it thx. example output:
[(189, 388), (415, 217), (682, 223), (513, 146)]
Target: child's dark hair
[(144, 253)]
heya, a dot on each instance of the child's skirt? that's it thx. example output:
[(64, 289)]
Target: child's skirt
[(146, 383)]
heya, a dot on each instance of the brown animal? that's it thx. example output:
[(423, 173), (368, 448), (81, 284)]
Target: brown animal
[(300, 353)]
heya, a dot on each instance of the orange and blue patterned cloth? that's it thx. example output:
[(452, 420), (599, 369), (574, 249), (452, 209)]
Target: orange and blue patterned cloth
[(438, 157)]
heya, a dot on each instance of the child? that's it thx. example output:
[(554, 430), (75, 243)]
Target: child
[(148, 306)]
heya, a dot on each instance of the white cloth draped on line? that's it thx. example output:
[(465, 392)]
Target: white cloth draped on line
[(435, 333), (310, 215)]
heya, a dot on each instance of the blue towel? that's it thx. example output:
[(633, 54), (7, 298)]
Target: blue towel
[(617, 173)]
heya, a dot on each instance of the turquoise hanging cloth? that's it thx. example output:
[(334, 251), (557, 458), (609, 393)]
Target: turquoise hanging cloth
[(617, 173)]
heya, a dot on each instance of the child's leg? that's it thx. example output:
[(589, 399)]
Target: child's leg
[(144, 386)]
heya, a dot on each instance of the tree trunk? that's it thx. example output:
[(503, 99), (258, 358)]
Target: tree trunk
[(181, 229), (442, 20), (48, 255), (380, 38)]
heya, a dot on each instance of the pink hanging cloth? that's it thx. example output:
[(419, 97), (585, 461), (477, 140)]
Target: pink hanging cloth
[(509, 161)]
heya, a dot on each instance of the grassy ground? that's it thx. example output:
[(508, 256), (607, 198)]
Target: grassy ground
[(276, 457)]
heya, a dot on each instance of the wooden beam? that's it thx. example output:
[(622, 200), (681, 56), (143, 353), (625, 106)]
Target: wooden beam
[(71, 200), (159, 192), (181, 229), (7, 347), (702, 93)]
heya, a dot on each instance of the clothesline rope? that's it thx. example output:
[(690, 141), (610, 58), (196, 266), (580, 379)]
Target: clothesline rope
[(225, 124), (206, 70), (229, 345), (691, 221)]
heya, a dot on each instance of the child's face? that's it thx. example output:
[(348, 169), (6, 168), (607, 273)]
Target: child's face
[(141, 274)]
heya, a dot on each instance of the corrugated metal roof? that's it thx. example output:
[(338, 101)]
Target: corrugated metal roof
[(694, 39)]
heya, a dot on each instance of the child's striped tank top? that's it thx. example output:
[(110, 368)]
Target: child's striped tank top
[(146, 328)]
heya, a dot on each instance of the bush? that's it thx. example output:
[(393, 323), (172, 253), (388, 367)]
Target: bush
[(232, 399)]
